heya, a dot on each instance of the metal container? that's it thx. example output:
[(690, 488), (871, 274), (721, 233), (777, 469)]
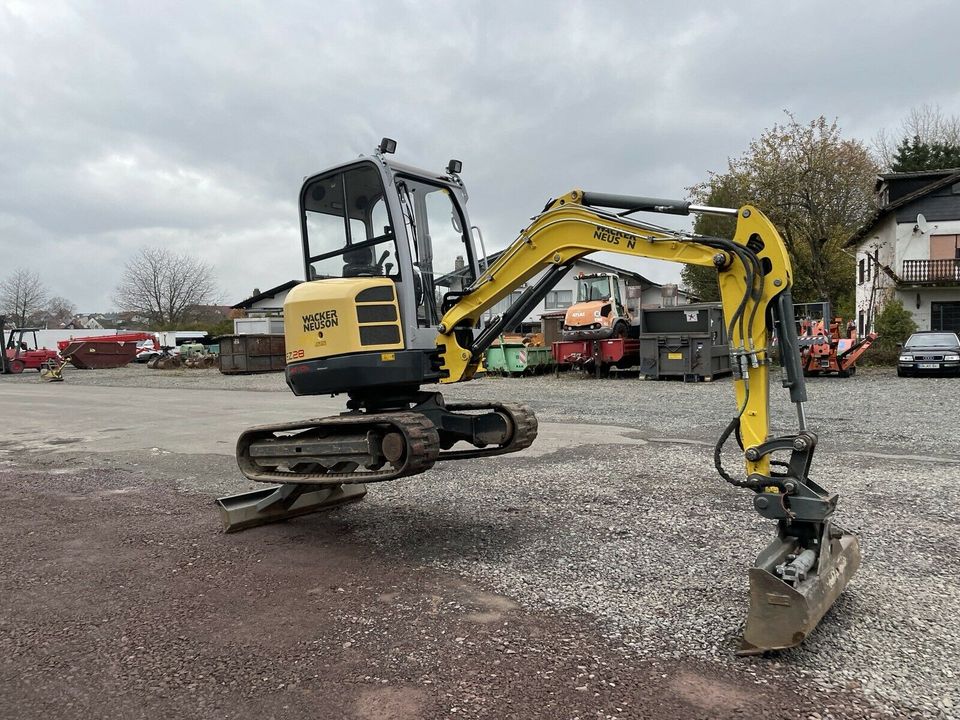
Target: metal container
[(551, 324), (99, 353), (684, 341), (246, 354), (508, 358)]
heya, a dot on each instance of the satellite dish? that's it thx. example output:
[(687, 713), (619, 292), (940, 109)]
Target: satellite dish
[(922, 224)]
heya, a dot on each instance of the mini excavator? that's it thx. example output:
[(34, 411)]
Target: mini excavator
[(392, 302)]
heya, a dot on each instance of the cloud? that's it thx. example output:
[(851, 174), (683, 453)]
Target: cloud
[(193, 125)]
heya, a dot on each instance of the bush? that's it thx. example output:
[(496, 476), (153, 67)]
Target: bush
[(894, 325)]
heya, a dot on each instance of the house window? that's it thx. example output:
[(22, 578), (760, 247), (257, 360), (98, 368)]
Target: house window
[(557, 299), (869, 267), (860, 272), (860, 328)]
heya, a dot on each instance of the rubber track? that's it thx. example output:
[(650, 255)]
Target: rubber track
[(421, 440), (522, 419)]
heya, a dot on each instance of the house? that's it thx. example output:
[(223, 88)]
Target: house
[(266, 303), (641, 291), (83, 322), (910, 249)]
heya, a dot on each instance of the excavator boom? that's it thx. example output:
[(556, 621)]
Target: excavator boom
[(380, 330)]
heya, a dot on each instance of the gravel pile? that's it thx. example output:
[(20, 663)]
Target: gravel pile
[(643, 536)]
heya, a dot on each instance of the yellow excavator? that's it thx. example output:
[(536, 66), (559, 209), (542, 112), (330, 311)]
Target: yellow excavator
[(392, 302)]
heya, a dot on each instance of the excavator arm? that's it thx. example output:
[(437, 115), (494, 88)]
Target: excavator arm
[(802, 572)]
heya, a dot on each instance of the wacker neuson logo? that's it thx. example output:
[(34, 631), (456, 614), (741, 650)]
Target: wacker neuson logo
[(320, 320)]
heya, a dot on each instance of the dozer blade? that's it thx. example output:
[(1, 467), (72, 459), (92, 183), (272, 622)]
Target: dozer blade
[(783, 614), (269, 505)]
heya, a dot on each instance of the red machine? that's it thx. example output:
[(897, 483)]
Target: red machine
[(824, 347), (597, 355), (20, 356)]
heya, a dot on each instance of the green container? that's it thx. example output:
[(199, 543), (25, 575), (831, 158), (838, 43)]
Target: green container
[(510, 359)]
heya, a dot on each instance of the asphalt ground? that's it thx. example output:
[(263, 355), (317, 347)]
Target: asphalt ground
[(610, 549)]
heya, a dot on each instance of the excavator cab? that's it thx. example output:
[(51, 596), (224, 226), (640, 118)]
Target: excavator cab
[(383, 246)]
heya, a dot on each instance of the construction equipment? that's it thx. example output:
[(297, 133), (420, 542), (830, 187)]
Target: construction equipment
[(53, 372), (599, 312), (23, 352), (824, 347), (168, 359), (376, 322)]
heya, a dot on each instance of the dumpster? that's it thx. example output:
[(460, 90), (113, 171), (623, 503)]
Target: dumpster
[(99, 353), (247, 354), (685, 341), (512, 358)]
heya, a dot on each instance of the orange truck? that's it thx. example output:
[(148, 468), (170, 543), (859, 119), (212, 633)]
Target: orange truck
[(599, 312), (598, 332)]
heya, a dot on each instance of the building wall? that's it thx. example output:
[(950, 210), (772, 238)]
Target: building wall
[(268, 305), (894, 242), (922, 311)]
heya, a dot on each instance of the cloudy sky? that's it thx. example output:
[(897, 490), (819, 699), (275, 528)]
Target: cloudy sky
[(192, 124)]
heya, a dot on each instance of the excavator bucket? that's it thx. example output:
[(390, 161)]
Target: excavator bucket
[(790, 592)]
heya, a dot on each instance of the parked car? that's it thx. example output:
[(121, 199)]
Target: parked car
[(930, 352), (146, 351)]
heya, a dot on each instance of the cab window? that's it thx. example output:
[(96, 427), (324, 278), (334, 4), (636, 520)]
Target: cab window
[(439, 244), (346, 226)]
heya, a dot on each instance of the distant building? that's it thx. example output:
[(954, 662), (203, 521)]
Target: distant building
[(267, 303), (83, 322), (910, 249)]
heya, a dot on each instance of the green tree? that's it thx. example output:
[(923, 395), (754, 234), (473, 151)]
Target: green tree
[(894, 325), (915, 154), (816, 187)]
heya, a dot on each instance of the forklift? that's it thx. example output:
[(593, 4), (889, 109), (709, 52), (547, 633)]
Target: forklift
[(18, 355)]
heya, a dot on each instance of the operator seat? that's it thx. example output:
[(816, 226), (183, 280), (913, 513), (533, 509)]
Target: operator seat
[(359, 262)]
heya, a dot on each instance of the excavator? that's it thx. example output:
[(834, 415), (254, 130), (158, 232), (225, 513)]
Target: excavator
[(392, 304)]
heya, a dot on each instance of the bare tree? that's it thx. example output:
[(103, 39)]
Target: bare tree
[(59, 310), (22, 294), (925, 123), (164, 285)]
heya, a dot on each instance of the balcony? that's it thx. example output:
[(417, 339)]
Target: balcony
[(931, 272)]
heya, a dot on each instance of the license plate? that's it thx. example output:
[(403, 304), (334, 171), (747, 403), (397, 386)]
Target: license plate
[(928, 366), (674, 356)]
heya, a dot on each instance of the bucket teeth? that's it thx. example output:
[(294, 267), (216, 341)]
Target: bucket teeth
[(786, 606)]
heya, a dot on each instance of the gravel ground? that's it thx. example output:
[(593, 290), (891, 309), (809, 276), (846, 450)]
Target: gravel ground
[(149, 611), (643, 539)]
